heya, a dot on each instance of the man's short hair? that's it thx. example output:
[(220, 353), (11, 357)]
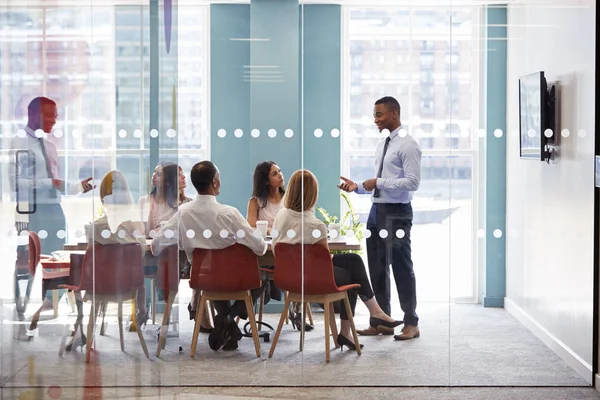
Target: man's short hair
[(390, 102), (35, 105), (202, 175)]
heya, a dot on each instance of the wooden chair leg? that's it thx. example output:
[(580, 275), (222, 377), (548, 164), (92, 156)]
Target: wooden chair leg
[(309, 313), (90, 332), (261, 307), (252, 318), (120, 319), (140, 333), (351, 319), (153, 300), (333, 325), (55, 302), (35, 318), (286, 307), (199, 310), (133, 325), (71, 298), (103, 324), (327, 315), (164, 328)]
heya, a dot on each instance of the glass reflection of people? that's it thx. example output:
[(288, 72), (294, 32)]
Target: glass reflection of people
[(398, 175), (227, 227), (39, 170), (348, 268), (116, 227)]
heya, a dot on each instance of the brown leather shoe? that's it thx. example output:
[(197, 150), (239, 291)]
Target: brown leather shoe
[(409, 332), (371, 331)]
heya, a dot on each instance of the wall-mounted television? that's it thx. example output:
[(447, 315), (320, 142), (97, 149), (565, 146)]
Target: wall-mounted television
[(536, 117)]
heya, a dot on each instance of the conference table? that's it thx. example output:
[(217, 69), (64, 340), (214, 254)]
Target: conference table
[(338, 244)]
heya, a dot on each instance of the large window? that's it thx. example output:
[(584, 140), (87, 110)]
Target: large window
[(427, 59)]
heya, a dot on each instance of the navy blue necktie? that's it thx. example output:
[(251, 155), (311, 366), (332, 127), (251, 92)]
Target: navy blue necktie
[(385, 147)]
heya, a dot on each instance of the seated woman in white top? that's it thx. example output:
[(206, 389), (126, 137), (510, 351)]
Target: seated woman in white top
[(116, 226), (348, 268), (267, 194), (266, 201)]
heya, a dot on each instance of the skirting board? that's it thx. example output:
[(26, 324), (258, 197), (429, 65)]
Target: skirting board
[(577, 363)]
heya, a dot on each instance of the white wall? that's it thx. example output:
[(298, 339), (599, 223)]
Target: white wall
[(549, 216)]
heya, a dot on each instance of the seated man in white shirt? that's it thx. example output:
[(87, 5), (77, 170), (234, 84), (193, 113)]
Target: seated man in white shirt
[(205, 213)]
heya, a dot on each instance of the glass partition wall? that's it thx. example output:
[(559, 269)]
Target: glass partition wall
[(142, 92)]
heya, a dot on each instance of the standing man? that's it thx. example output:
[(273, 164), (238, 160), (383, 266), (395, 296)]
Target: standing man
[(398, 174), (36, 168)]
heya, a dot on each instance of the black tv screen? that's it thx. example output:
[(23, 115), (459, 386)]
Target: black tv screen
[(532, 96)]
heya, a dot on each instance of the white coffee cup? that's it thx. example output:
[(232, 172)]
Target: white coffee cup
[(334, 230), (261, 226)]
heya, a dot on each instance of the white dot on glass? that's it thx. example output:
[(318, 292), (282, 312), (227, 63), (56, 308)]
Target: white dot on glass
[(121, 234), (419, 132), (105, 233), (169, 234), (497, 233), (58, 133), (272, 133), (581, 133), (333, 233), (223, 233), (350, 233), (288, 133), (464, 133), (137, 133), (531, 133), (78, 233), (274, 233), (76, 133), (221, 133), (402, 133), (21, 133), (154, 133), (190, 233), (316, 233), (291, 233), (335, 133), (385, 131), (137, 233), (255, 133), (171, 133), (498, 133), (61, 234), (548, 133), (400, 233), (565, 133), (43, 234), (122, 133), (481, 133), (238, 133), (367, 233), (480, 233), (207, 233), (318, 132), (152, 233), (240, 234), (383, 233), (39, 133)]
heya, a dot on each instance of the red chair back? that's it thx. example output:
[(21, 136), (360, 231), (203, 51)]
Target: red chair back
[(35, 251), (167, 276), (113, 269), (232, 269), (318, 269)]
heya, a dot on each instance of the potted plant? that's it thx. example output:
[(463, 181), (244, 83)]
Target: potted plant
[(349, 222)]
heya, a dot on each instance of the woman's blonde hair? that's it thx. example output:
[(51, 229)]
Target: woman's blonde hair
[(302, 191), (114, 189)]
